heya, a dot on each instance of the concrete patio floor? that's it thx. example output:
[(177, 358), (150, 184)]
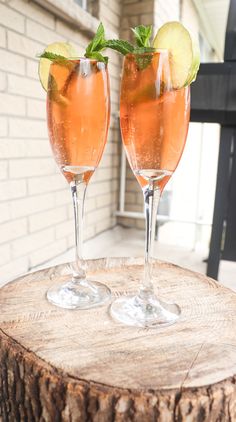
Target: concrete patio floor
[(124, 242)]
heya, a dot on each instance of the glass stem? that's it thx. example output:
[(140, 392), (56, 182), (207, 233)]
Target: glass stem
[(151, 195), (78, 191)]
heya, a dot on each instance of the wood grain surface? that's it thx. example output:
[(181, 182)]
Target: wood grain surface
[(73, 365)]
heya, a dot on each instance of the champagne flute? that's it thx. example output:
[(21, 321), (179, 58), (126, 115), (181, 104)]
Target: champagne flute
[(78, 111), (154, 120)]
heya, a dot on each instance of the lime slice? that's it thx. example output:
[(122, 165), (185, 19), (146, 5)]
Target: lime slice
[(60, 48), (183, 51)]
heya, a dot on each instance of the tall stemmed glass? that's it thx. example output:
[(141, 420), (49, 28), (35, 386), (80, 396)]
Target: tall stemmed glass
[(154, 121), (78, 111)]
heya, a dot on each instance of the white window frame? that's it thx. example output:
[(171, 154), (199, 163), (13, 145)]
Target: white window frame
[(73, 13), (84, 4)]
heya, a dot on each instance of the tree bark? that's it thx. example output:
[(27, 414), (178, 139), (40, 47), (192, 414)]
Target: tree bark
[(62, 365)]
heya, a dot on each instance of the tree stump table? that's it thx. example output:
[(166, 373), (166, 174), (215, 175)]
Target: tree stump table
[(71, 365)]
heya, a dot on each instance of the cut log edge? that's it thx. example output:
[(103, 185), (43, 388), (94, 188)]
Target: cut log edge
[(32, 358)]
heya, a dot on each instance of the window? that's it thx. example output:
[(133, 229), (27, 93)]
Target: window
[(82, 3), (91, 6)]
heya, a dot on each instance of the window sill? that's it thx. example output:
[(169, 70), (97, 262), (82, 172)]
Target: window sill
[(72, 13)]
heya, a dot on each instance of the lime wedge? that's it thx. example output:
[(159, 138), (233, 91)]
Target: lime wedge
[(183, 52), (60, 48)]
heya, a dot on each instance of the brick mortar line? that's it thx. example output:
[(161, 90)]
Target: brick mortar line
[(31, 119), (50, 156), (116, 178), (25, 116), (23, 76), (6, 73), (24, 96), (32, 197)]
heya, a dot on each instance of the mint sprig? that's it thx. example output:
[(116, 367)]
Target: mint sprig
[(98, 44), (142, 42), (142, 45), (142, 35)]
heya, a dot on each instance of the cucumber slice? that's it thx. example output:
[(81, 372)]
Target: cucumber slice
[(195, 63), (183, 52), (60, 48)]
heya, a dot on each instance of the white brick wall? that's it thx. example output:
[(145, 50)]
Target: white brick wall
[(11, 62), (3, 170), (3, 81), (13, 19), (25, 245), (36, 216), (11, 104), (3, 126), (13, 229), (24, 86), (5, 254), (4, 212), (12, 189), (33, 11)]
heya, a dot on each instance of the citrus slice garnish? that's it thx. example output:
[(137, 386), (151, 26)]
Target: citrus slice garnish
[(62, 49), (184, 54)]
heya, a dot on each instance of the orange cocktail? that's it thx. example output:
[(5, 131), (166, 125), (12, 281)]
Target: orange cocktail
[(154, 117), (78, 115)]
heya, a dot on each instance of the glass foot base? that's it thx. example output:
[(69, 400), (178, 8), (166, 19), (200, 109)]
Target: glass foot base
[(150, 313), (78, 294)]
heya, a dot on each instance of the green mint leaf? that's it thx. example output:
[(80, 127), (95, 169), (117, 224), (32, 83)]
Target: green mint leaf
[(57, 58), (97, 45), (98, 56), (137, 37), (123, 47), (97, 40), (99, 36), (142, 35)]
